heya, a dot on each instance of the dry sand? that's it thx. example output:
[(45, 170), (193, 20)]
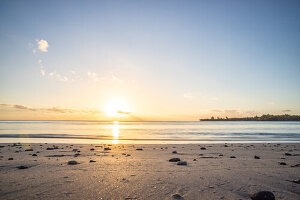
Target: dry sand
[(126, 173)]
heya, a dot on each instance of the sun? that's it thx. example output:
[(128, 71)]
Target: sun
[(117, 108)]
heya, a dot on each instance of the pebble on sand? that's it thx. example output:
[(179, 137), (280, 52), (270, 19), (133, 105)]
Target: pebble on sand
[(282, 163), (49, 148), (10, 158), (181, 163), (203, 148), (22, 167), (256, 157), (139, 149), (263, 195), (174, 152), (28, 149), (72, 162), (92, 161), (107, 148), (174, 160), (92, 149), (177, 196), (232, 157), (34, 154)]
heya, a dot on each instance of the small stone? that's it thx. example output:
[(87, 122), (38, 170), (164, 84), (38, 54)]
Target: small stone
[(73, 162), (263, 195), (256, 157), (232, 157), (22, 167), (75, 150), (139, 149), (195, 160), (107, 148), (92, 161), (181, 163), (288, 154), (177, 196), (92, 149), (174, 152), (34, 154), (49, 148), (28, 149), (297, 165), (203, 148), (282, 163), (174, 160), (10, 158), (296, 181)]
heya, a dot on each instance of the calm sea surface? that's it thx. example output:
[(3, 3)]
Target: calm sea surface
[(147, 132)]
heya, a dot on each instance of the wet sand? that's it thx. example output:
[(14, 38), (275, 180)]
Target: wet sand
[(213, 171)]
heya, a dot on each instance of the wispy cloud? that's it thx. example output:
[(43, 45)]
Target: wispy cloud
[(122, 112), (51, 109), (188, 95), (287, 110), (93, 76)]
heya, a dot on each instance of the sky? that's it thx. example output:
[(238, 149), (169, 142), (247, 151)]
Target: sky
[(148, 60)]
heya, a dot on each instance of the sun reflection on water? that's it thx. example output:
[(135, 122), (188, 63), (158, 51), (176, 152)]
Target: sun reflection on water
[(115, 132)]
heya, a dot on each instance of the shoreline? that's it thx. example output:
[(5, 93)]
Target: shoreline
[(143, 171)]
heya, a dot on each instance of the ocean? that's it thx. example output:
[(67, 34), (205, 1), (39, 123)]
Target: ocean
[(148, 132)]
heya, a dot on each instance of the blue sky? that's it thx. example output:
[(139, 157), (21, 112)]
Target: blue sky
[(168, 60)]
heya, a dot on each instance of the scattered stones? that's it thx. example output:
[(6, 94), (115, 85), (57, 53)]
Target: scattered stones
[(181, 163), (139, 149), (232, 157), (72, 162), (177, 196), (282, 163), (174, 160), (263, 195), (107, 148), (22, 167), (92, 161), (256, 157), (10, 158), (174, 152)]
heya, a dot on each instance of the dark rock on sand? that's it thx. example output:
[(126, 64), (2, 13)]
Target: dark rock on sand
[(174, 152), (107, 148), (232, 157), (296, 181), (10, 158), (28, 149), (181, 163), (92, 161), (288, 154), (34, 154), (139, 149), (49, 148), (92, 149), (297, 165), (177, 196), (174, 160), (256, 157), (72, 162), (22, 167), (282, 163), (203, 148), (263, 195)]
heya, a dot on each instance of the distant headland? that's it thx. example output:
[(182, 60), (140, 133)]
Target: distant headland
[(256, 118)]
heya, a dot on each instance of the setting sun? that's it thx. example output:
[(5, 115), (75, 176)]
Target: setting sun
[(116, 108)]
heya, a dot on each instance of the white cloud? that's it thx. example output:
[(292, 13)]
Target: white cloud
[(114, 78), (43, 72), (42, 45)]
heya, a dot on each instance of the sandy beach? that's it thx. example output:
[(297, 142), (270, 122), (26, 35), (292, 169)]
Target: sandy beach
[(212, 171)]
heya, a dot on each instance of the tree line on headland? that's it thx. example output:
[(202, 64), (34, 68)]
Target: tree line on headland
[(256, 118)]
